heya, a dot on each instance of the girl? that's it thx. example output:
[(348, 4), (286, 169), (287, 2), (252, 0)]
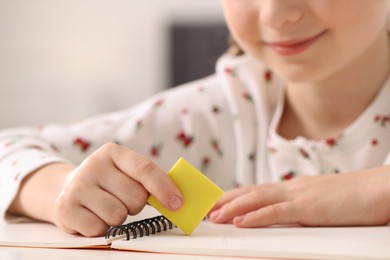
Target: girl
[(300, 123)]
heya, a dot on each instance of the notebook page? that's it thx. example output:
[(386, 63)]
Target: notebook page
[(44, 235), (275, 242), (36, 234)]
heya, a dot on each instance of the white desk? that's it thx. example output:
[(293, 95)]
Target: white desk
[(14, 253), (336, 243)]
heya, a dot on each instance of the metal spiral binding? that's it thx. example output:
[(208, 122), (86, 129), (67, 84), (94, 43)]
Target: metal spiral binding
[(140, 228)]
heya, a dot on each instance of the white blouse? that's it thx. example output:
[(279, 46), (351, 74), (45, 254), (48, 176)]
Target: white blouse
[(224, 124)]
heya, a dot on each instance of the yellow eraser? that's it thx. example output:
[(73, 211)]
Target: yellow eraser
[(199, 196)]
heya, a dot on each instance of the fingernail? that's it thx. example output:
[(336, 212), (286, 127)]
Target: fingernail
[(215, 215), (238, 220), (175, 202)]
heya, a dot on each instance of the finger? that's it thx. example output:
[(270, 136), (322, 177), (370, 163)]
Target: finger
[(283, 213), (229, 196), (234, 193), (104, 205), (131, 193), (83, 221), (215, 213), (147, 174), (257, 198)]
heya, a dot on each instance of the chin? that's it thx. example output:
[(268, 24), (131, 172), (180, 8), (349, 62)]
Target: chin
[(297, 76), (298, 79), (295, 72)]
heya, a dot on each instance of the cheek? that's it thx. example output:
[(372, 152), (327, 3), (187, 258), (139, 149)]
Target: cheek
[(347, 15), (359, 28), (242, 19)]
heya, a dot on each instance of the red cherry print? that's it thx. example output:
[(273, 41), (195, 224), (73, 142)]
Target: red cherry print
[(215, 144), (288, 176), (268, 76), (205, 163), (82, 144), (383, 120), (181, 135), (231, 71), (331, 142), (184, 111), (272, 150), (39, 128), (184, 139), (159, 102), (247, 96), (155, 150)]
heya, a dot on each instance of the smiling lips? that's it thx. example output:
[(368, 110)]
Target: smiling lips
[(292, 47)]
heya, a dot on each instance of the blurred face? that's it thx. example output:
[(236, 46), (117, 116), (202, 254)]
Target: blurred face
[(307, 40)]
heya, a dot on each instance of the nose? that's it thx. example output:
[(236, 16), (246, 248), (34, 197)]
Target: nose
[(280, 13)]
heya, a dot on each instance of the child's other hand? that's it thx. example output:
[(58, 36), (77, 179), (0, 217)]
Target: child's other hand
[(110, 184), (329, 200)]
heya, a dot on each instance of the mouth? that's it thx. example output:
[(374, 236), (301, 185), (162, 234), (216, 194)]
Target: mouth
[(294, 46)]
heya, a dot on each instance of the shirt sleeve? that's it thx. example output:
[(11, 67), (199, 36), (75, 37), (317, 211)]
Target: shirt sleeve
[(192, 121), (387, 161)]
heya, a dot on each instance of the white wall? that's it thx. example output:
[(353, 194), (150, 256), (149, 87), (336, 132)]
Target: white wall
[(62, 60)]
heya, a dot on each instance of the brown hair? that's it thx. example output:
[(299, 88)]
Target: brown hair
[(234, 49)]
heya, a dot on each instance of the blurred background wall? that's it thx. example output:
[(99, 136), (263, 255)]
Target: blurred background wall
[(64, 60)]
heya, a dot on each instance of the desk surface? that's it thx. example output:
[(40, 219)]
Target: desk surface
[(15, 253)]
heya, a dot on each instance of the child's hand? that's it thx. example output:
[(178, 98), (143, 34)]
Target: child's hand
[(110, 184), (361, 198)]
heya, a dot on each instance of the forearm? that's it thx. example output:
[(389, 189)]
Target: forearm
[(39, 190), (378, 189)]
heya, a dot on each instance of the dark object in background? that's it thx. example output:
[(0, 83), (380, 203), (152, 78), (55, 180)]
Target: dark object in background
[(194, 50)]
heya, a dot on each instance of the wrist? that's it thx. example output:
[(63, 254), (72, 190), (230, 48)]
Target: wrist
[(380, 186), (55, 179), (387, 189), (39, 191)]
